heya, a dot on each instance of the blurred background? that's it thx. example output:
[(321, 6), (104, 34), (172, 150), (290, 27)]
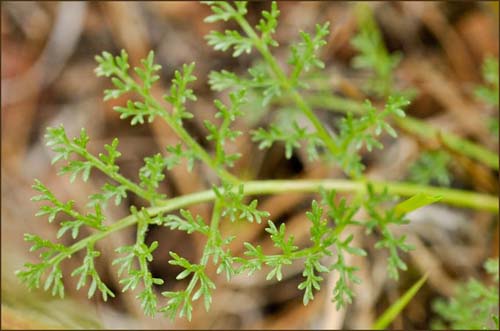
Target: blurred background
[(47, 62)]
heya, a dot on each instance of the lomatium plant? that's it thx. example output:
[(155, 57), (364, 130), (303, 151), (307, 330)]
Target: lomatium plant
[(338, 209)]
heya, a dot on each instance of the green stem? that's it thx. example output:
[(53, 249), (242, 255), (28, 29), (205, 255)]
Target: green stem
[(214, 229), (131, 186), (455, 143), (414, 126), (200, 151), (142, 228), (180, 131), (219, 143), (454, 197)]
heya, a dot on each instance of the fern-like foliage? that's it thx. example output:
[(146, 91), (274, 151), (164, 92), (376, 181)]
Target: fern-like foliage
[(372, 53), (272, 82), (488, 92), (328, 250), (431, 166), (474, 306)]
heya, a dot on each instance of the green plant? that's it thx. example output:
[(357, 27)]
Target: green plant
[(434, 165), (474, 306), (328, 218), (431, 166), (374, 58), (489, 92), (372, 53)]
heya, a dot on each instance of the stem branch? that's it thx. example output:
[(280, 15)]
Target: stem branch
[(414, 126), (285, 83), (180, 131), (454, 197)]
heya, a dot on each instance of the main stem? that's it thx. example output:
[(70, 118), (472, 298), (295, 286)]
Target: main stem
[(454, 197)]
